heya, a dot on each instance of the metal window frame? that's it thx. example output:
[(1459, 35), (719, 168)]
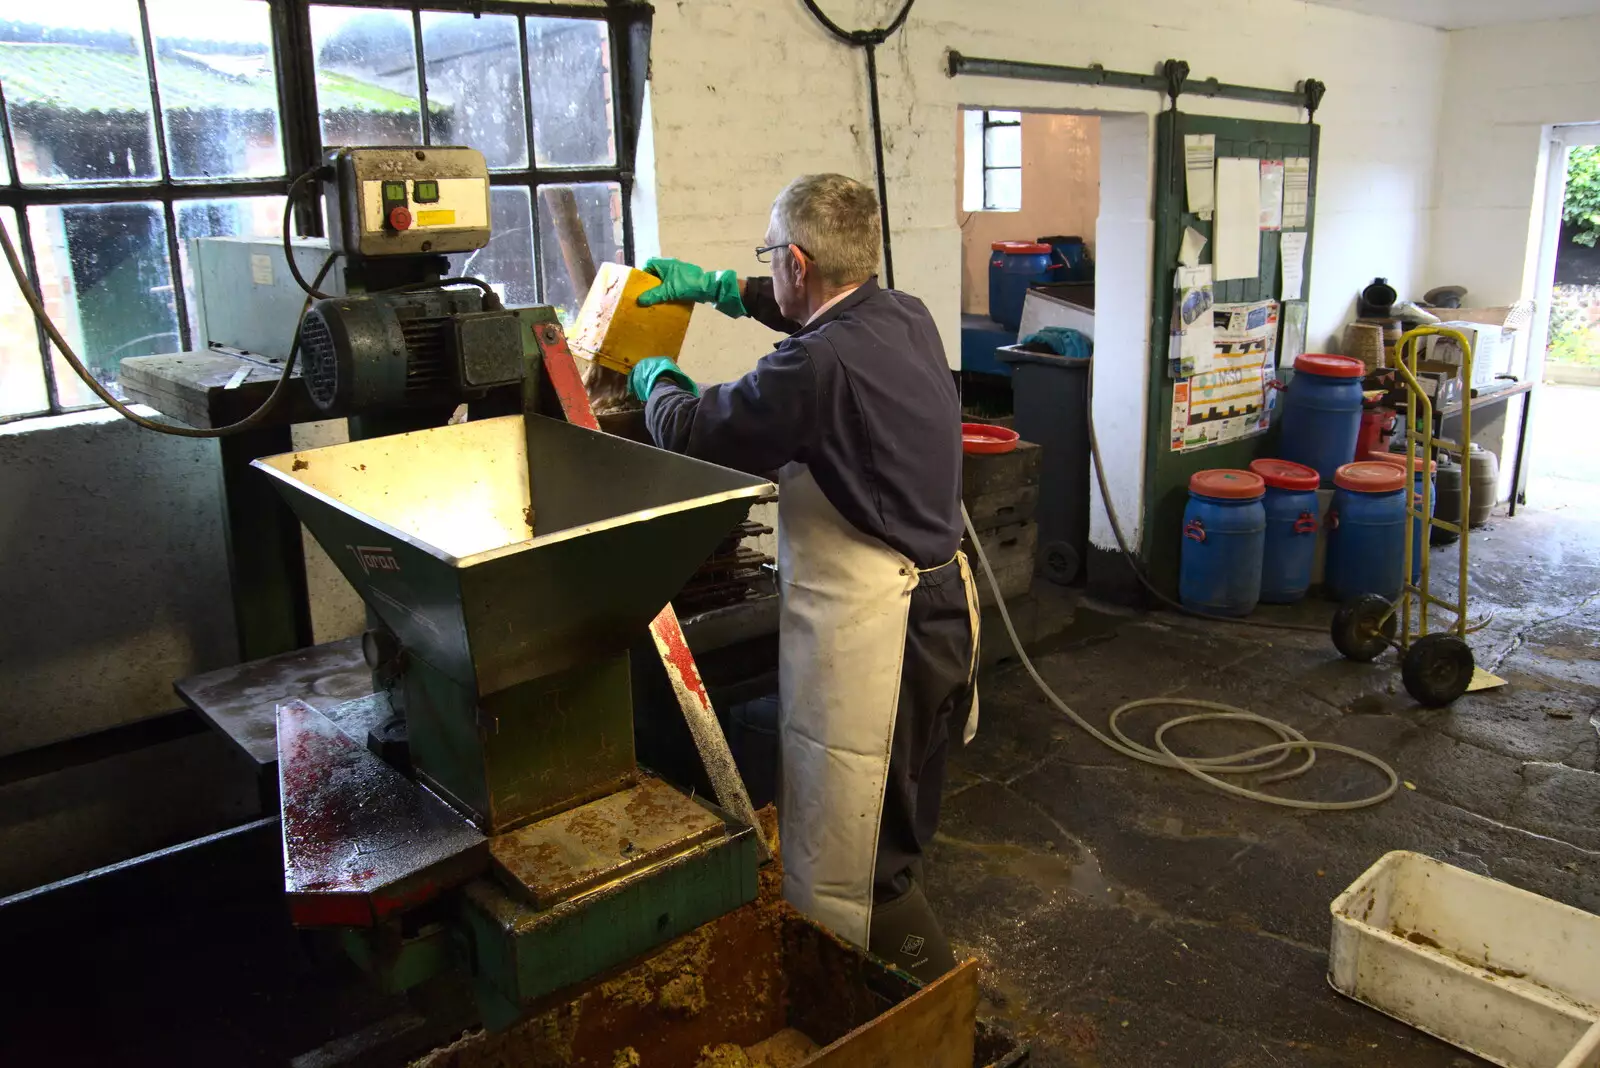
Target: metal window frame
[(988, 168), (300, 131)]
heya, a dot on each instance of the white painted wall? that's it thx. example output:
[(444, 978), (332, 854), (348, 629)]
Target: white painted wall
[(747, 95), (1504, 85)]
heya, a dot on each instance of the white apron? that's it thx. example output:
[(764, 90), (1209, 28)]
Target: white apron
[(841, 640)]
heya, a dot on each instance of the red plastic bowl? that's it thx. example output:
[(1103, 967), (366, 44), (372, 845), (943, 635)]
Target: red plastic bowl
[(981, 439)]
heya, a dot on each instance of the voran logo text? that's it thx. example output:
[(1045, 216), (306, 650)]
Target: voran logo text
[(375, 558)]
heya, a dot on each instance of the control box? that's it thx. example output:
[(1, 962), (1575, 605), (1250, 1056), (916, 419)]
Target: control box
[(407, 201)]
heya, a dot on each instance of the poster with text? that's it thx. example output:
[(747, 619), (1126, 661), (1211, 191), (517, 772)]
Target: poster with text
[(1229, 396)]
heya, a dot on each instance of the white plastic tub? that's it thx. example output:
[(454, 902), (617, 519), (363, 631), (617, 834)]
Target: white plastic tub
[(1503, 973)]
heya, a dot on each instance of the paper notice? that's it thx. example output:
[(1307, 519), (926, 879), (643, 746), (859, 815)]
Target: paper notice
[(1236, 235), (1271, 194), (1296, 191), (1229, 396), (1199, 152), (1294, 333), (1191, 345), (1292, 254), (1193, 242), (1221, 406)]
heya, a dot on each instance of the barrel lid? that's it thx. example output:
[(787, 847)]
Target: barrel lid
[(1021, 248), (1227, 484), (1370, 476), (1325, 363), (1398, 459), (1285, 474)]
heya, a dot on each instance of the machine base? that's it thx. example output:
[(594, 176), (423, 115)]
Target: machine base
[(522, 954)]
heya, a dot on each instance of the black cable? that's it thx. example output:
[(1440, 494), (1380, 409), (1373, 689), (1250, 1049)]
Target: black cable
[(31, 296), (870, 40), (288, 250), (491, 299)]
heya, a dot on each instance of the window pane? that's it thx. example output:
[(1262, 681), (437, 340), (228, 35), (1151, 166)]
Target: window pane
[(78, 91), (105, 280), (366, 76), (219, 92), (1004, 147), (22, 386), (599, 207), (475, 85), (1002, 190), (507, 261), (235, 217), (569, 70)]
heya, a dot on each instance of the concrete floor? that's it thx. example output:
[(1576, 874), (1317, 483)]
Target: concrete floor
[(1132, 916)]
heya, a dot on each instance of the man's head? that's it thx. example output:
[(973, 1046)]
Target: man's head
[(829, 224)]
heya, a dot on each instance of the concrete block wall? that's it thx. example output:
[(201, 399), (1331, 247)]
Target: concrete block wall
[(1503, 86)]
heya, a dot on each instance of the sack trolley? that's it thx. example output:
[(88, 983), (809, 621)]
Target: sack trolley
[(1436, 665)]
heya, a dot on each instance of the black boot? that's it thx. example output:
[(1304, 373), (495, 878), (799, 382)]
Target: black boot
[(907, 935)]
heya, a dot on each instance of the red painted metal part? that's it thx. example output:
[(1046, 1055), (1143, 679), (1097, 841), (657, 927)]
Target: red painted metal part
[(361, 842), (667, 632), (562, 371)]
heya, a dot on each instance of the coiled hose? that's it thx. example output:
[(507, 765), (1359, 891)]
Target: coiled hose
[(1209, 770)]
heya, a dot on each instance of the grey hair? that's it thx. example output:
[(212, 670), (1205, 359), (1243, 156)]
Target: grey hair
[(834, 219)]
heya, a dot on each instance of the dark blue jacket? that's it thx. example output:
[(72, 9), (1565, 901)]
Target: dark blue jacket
[(862, 395)]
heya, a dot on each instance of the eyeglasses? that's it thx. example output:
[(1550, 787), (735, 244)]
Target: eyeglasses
[(764, 255)]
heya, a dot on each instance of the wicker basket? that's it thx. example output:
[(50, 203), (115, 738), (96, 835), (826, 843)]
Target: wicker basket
[(1364, 341)]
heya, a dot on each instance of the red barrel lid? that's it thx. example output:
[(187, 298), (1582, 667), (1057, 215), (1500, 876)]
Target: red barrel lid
[(1227, 484), (1399, 460), (1330, 366), (983, 439), (1021, 248), (1370, 476), (1285, 474)]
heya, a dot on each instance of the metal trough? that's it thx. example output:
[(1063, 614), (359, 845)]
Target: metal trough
[(489, 584)]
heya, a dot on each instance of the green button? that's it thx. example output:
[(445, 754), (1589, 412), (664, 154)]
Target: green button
[(394, 192), (425, 192)]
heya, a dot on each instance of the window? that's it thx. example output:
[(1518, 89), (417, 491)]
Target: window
[(993, 161), (1002, 160), (133, 126)]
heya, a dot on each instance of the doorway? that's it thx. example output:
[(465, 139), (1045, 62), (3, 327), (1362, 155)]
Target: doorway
[(1559, 469), (1072, 174)]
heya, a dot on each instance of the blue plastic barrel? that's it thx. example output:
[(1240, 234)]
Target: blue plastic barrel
[(1322, 413), (1423, 497), (1013, 267), (1070, 262), (1291, 542), (1224, 533), (1366, 546)]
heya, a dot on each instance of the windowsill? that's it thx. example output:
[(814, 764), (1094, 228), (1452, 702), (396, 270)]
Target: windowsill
[(87, 417)]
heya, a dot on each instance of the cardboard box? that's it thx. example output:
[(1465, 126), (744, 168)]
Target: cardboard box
[(1498, 337)]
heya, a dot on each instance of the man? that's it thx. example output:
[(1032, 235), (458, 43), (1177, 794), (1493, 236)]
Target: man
[(858, 413)]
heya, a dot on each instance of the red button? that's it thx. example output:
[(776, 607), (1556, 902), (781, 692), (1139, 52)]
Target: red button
[(400, 218)]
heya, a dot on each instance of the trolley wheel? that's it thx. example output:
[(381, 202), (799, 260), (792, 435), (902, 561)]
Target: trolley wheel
[(1437, 669), (1363, 628), (1061, 562)]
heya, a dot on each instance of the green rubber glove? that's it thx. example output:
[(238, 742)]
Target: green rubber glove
[(685, 281), (642, 379)]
